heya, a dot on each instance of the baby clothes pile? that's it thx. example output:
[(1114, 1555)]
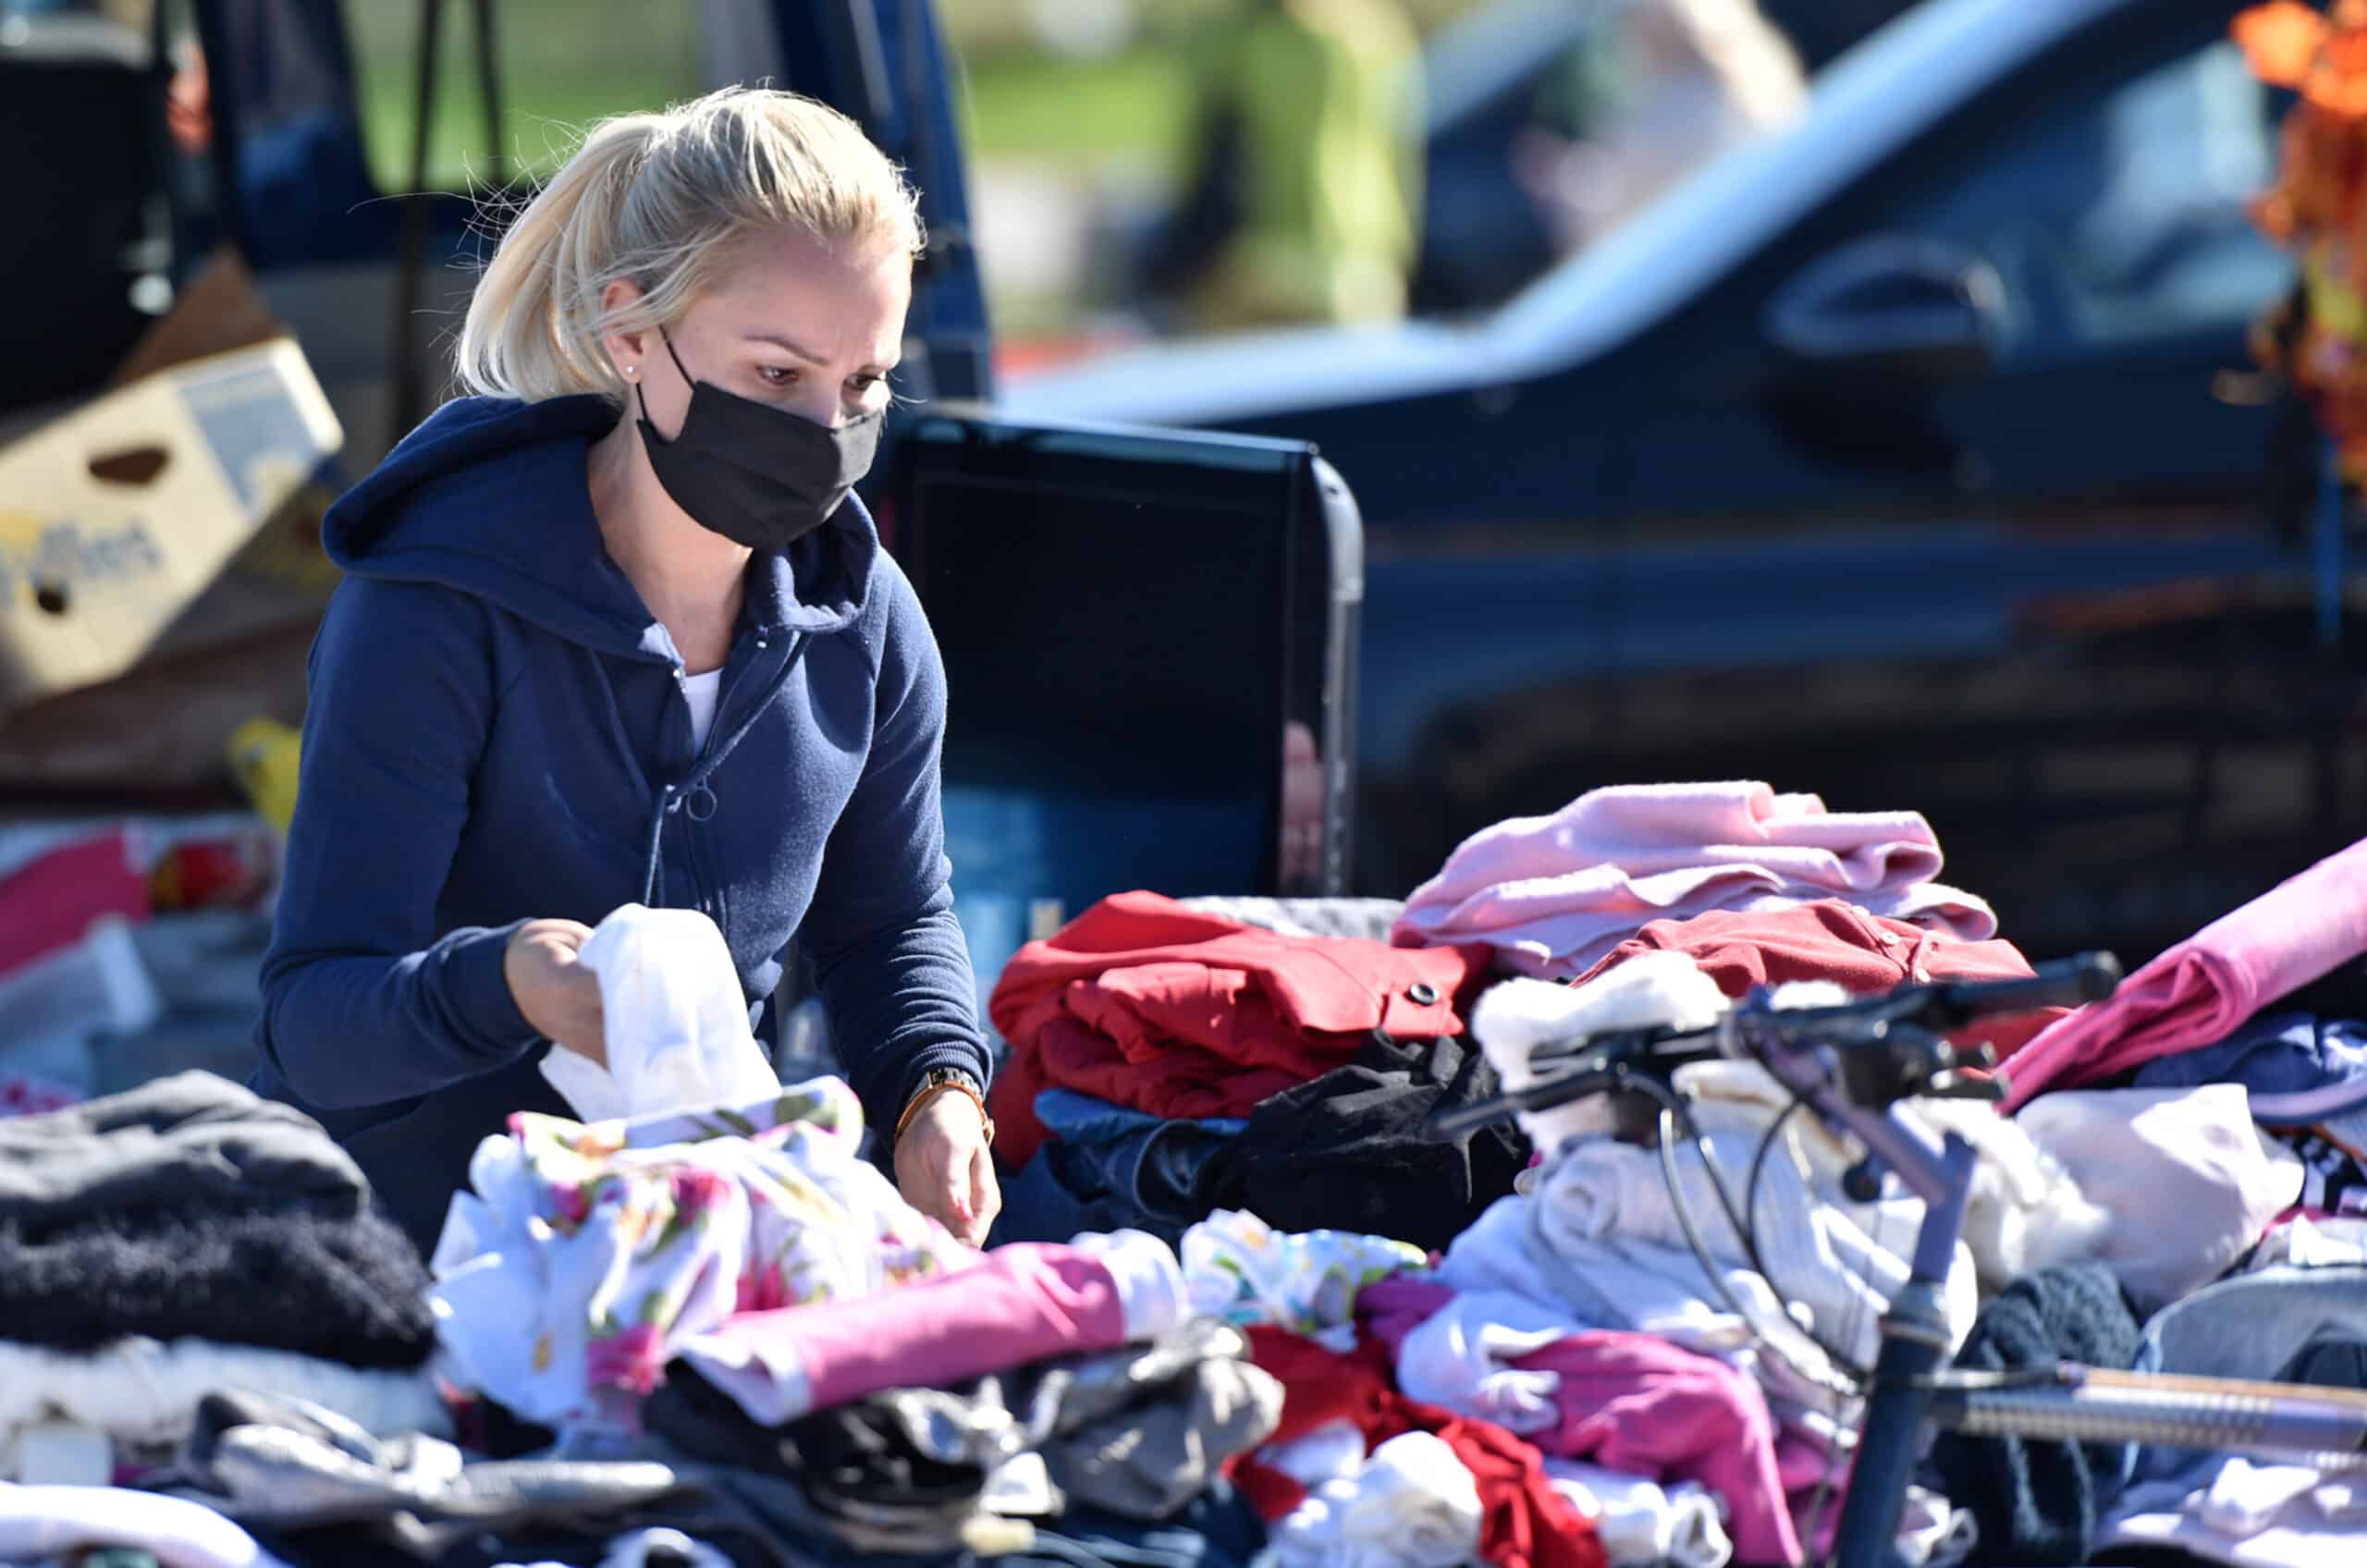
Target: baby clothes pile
[(1263, 1314), (183, 1237)]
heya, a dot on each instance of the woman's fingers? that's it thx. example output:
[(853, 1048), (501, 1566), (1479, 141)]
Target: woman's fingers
[(986, 1192), (556, 995), (587, 1028)]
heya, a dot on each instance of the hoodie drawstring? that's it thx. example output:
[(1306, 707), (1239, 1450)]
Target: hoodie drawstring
[(675, 797)]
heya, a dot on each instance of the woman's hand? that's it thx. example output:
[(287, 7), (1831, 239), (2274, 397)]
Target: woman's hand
[(559, 996), (944, 1170)]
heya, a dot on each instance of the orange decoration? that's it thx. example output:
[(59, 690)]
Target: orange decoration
[(2317, 208)]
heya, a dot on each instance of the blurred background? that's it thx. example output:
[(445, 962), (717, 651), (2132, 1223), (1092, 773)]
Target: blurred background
[(1891, 398), (1471, 144)]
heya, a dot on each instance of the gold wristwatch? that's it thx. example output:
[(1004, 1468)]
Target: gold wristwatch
[(944, 1080)]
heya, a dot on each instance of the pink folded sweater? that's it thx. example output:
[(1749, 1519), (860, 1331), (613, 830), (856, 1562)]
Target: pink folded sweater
[(1554, 894)]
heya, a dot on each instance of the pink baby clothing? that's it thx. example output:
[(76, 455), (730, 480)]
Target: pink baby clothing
[(1024, 1302), (1555, 894), (2196, 993), (1628, 1401)]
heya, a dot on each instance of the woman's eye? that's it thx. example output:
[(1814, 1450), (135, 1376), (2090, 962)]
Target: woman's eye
[(865, 383), (778, 376)]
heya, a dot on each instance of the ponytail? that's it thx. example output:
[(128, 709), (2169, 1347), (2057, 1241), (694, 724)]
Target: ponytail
[(654, 200)]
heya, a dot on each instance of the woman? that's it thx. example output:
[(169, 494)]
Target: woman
[(614, 631)]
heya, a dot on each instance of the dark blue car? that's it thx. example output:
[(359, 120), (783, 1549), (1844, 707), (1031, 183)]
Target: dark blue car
[(1912, 455)]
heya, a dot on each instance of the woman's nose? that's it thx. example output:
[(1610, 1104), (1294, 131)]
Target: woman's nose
[(822, 405)]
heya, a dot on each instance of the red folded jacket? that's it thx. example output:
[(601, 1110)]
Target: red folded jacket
[(1147, 1004), (1833, 940)]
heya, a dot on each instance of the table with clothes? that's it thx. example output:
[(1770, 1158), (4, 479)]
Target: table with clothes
[(1242, 1308)]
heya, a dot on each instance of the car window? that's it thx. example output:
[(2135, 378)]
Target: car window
[(563, 63), (2121, 218)]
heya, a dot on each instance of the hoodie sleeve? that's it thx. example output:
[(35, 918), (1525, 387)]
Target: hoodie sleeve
[(363, 1001), (889, 957)]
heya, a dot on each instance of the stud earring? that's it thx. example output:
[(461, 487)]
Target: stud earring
[(631, 370)]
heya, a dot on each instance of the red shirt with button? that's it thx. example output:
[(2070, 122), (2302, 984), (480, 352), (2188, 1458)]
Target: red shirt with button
[(1829, 939), (1148, 1004)]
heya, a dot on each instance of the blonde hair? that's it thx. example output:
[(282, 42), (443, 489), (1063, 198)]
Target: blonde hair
[(658, 199)]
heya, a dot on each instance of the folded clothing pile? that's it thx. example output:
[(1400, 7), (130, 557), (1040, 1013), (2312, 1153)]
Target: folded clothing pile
[(1137, 1432), (1168, 1061), (737, 1293), (1833, 940), (186, 1237), (1145, 1003), (267, 1481), (1553, 896), (584, 1257)]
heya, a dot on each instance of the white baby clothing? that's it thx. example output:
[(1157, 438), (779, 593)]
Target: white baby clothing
[(674, 1018)]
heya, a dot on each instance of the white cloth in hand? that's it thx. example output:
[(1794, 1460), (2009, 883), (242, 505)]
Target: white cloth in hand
[(675, 1019)]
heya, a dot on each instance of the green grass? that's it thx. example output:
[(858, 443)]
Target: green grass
[(544, 120), (567, 63), (564, 64), (1136, 105)]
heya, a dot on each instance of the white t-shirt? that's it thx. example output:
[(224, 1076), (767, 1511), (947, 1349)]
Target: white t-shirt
[(702, 691)]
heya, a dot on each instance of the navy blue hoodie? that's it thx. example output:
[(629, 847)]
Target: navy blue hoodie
[(497, 733)]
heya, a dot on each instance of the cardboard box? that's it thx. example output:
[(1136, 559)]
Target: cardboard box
[(116, 517)]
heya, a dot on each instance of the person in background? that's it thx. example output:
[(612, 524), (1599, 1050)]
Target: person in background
[(614, 631), (1306, 203), (1668, 86)]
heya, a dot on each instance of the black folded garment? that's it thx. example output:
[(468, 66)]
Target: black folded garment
[(192, 1143), (862, 1480), (1137, 1432), (1351, 1151), (348, 1289)]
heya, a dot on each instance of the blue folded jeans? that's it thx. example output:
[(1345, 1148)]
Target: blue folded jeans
[(1106, 1167)]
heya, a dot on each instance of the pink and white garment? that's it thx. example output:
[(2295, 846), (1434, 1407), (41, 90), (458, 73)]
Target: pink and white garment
[(1025, 1302), (1555, 894), (1240, 1268), (2196, 993), (1631, 1402), (586, 1256)]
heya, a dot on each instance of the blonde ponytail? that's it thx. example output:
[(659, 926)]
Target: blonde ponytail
[(658, 199)]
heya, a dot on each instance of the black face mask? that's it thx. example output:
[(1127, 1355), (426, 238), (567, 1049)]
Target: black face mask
[(760, 476)]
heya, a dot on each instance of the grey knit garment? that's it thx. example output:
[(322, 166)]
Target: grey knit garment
[(192, 1143)]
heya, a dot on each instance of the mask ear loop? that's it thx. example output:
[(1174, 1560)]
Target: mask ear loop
[(676, 358), (642, 393)]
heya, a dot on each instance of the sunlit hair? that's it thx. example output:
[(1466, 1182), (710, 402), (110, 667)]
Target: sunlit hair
[(661, 200)]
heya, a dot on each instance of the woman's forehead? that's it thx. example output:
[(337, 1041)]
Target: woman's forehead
[(836, 300)]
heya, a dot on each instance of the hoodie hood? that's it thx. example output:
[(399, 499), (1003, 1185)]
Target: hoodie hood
[(489, 496)]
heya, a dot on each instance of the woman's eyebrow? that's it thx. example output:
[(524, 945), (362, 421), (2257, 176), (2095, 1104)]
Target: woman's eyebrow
[(810, 358), (775, 338)]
